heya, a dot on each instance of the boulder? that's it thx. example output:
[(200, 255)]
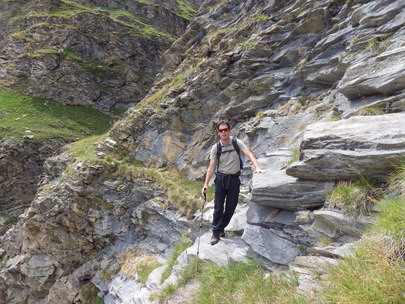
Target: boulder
[(278, 190), (359, 147), (266, 216), (383, 74), (332, 224), (269, 245)]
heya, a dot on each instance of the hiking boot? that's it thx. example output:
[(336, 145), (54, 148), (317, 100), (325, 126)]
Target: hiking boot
[(214, 239), (222, 234)]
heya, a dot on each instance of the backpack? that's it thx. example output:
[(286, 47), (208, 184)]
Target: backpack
[(235, 146)]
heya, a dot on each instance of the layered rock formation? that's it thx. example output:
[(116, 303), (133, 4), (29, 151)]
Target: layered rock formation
[(282, 72), (21, 166), (102, 54)]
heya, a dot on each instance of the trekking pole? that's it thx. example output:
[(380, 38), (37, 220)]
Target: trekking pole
[(201, 223)]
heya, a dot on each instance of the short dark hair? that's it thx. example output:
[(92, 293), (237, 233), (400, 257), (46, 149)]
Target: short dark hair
[(224, 122)]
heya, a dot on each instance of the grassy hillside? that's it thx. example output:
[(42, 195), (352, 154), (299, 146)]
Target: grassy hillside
[(39, 119)]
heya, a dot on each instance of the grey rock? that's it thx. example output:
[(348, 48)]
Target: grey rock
[(278, 190), (228, 248), (358, 147), (331, 224), (272, 247), (332, 251), (383, 74), (267, 216)]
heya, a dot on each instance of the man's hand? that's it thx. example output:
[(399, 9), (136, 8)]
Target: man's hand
[(204, 190), (259, 171)]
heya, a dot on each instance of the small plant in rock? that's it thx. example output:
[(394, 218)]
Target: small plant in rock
[(88, 294), (324, 242), (296, 152), (353, 198), (135, 262), (371, 111), (377, 46), (397, 181), (179, 248)]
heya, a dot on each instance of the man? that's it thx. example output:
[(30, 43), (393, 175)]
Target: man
[(227, 183)]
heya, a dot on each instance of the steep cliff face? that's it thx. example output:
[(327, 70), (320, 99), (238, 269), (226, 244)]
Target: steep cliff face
[(279, 59), (280, 71), (102, 54)]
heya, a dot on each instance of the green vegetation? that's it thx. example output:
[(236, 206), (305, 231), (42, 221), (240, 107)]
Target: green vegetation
[(180, 247), (397, 181), (181, 192), (296, 152), (324, 242), (154, 100), (135, 262), (376, 45), (185, 9), (88, 294), (25, 117), (353, 198), (372, 111), (244, 283), (135, 24), (375, 272)]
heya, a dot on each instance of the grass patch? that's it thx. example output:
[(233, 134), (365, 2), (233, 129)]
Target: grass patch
[(372, 111), (134, 262), (136, 25), (353, 198), (391, 218), (242, 283), (24, 116), (296, 152), (178, 249), (375, 272), (98, 67), (88, 294), (185, 10), (397, 181)]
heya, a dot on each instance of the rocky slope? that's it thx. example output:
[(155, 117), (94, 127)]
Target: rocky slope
[(290, 75), (102, 54)]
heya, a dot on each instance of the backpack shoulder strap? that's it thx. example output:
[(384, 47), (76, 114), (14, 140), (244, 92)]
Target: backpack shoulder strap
[(236, 147), (219, 151)]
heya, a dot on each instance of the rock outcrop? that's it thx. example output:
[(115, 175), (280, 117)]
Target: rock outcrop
[(101, 54), (293, 63), (21, 166), (356, 148)]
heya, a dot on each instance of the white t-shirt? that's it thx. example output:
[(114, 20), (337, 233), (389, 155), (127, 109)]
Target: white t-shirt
[(229, 161)]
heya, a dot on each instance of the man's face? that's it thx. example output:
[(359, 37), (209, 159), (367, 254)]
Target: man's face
[(223, 131)]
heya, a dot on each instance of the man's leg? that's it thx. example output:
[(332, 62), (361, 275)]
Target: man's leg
[(231, 202), (220, 194)]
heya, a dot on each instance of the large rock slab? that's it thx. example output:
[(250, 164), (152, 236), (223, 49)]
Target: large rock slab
[(359, 147), (268, 217), (383, 74), (274, 248), (278, 190), (331, 224)]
